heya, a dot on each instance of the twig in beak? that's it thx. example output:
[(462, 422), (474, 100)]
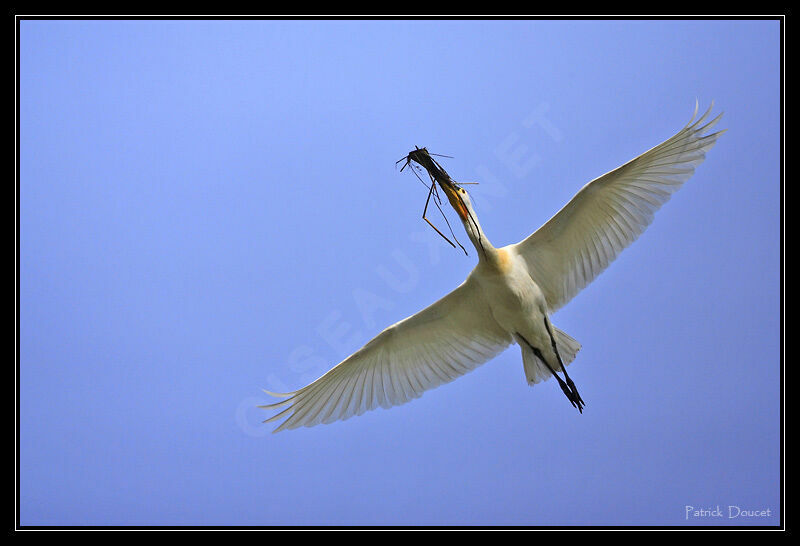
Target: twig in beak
[(437, 174)]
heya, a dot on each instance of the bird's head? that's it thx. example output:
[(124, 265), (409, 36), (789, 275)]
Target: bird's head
[(459, 200)]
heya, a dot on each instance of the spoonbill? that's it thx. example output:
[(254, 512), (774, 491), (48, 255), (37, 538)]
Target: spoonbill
[(509, 295)]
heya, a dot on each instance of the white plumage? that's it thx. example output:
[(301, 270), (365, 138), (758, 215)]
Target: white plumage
[(610, 212), (509, 295)]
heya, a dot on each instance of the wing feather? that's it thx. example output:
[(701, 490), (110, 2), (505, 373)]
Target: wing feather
[(440, 343), (610, 212)]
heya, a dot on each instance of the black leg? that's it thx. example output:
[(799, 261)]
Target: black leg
[(578, 398), (568, 392)]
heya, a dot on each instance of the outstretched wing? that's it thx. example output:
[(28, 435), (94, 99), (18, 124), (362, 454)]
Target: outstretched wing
[(440, 343), (609, 213)]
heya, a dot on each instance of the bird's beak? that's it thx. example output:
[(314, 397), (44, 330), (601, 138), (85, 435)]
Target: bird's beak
[(453, 195)]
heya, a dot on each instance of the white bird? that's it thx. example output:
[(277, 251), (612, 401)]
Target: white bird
[(509, 296)]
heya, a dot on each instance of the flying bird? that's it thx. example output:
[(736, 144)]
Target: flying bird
[(509, 295)]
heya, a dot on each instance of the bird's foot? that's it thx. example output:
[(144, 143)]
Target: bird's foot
[(576, 399), (572, 395)]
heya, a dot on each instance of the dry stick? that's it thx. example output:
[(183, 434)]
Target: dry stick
[(425, 212), (436, 173), (437, 200)]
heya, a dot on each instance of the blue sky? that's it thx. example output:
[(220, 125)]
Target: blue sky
[(209, 208)]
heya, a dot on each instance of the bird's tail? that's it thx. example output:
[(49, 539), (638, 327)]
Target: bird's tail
[(536, 370)]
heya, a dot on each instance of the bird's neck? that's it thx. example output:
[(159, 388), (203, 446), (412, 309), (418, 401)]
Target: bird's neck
[(486, 252)]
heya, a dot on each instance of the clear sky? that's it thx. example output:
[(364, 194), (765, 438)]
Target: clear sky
[(209, 208)]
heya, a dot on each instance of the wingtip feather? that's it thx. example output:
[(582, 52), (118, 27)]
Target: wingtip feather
[(279, 394), (276, 416)]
